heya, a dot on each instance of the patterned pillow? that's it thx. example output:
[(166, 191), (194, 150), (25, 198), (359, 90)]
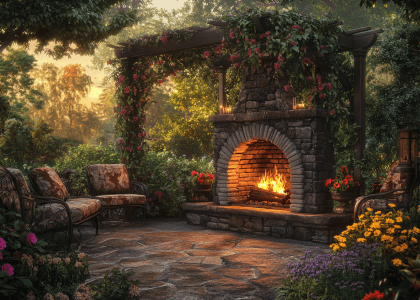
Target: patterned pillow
[(49, 183), (10, 197), (108, 179)]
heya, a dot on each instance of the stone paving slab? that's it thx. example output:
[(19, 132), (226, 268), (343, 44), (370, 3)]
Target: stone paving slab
[(174, 260)]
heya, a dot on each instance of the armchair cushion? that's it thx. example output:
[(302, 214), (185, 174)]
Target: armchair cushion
[(10, 197), (105, 179), (49, 183), (120, 199), (53, 215)]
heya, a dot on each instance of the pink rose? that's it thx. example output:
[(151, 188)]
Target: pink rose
[(236, 65), (322, 96), (232, 35), (249, 52), (135, 77), (232, 58), (329, 86), (331, 112), (217, 49), (293, 43), (2, 244), (8, 268), (287, 88), (163, 39), (123, 111), (121, 78), (31, 238), (206, 54), (277, 66), (127, 90)]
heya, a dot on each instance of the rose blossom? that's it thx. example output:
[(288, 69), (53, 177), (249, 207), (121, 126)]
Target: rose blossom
[(2, 244), (77, 264), (127, 90), (80, 255), (206, 54), (121, 78), (135, 77), (31, 239), (48, 297), (331, 112), (287, 88), (163, 39), (8, 268), (56, 260), (67, 260), (61, 296)]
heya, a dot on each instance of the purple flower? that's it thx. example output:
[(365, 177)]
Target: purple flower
[(8, 268), (2, 244)]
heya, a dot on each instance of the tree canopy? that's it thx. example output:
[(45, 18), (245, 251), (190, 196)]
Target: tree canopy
[(75, 26)]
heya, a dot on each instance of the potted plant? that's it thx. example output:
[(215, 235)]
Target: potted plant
[(201, 186), (343, 189)]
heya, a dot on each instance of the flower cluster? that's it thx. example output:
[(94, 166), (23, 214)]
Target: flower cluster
[(347, 272), (376, 186), (202, 178), (342, 182), (376, 295), (400, 244)]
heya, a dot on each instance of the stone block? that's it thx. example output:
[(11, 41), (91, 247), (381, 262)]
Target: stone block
[(267, 229), (248, 225), (250, 84), (295, 124), (261, 80), (214, 219), (303, 133), (271, 103), (204, 219), (302, 233), (193, 219), (224, 135), (308, 174), (236, 221), (212, 225), (257, 223), (320, 239), (222, 226), (319, 186), (274, 223), (308, 158), (279, 230), (271, 97), (252, 104), (224, 220)]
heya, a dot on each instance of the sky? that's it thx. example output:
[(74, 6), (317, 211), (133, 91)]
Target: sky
[(85, 61)]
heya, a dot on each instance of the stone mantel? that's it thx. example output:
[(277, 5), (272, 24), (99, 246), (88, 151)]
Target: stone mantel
[(268, 115)]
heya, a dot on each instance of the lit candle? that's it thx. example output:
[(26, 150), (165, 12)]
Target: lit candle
[(220, 109), (294, 103), (301, 106)]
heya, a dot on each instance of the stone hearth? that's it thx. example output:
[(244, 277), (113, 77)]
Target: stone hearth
[(320, 228)]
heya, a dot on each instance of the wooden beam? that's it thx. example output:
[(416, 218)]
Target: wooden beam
[(357, 30)]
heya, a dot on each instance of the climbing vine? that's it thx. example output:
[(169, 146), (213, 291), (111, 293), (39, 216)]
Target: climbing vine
[(304, 49)]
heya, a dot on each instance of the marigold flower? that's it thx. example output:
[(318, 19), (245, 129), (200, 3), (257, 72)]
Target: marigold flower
[(328, 182), (397, 226), (399, 219), (416, 230), (361, 240), (392, 205), (397, 262), (413, 240), (344, 169), (389, 221), (342, 245), (377, 233), (376, 295)]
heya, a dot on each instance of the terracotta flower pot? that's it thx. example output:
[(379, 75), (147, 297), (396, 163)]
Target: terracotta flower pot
[(346, 199)]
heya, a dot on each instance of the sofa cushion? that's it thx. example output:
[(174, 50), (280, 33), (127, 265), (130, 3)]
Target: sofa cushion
[(54, 215), (108, 179), (9, 195), (49, 183), (121, 199)]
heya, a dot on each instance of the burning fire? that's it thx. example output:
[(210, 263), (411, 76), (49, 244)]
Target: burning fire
[(273, 182)]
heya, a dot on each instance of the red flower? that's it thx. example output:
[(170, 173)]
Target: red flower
[(217, 49), (328, 86), (127, 90), (328, 182), (322, 96), (293, 43), (345, 181), (277, 66), (193, 173), (336, 185), (202, 175), (331, 112), (344, 169), (143, 77), (287, 88), (348, 177), (232, 35), (206, 54), (135, 77), (163, 39), (376, 295), (211, 176), (306, 60)]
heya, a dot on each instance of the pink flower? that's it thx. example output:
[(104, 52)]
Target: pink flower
[(322, 96), (2, 244), (8, 268), (310, 78), (328, 86), (163, 39), (11, 229), (303, 48), (206, 54), (140, 147), (280, 58), (127, 90), (217, 49), (135, 91), (296, 27), (31, 238), (123, 111), (277, 66), (121, 78), (135, 77), (331, 112), (249, 52), (293, 43), (143, 77), (232, 58), (322, 46), (232, 35), (306, 60), (287, 88), (236, 65)]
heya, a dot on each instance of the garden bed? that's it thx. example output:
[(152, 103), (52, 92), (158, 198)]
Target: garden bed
[(320, 228)]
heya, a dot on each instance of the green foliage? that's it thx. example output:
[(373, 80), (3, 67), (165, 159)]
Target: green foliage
[(28, 141), (116, 286), (168, 180), (16, 85), (392, 99), (75, 26), (4, 111), (78, 158)]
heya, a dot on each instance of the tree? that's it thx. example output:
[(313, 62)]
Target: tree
[(16, 85), (75, 26), (64, 88), (410, 8)]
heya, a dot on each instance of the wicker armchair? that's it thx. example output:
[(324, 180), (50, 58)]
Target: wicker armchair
[(54, 214)]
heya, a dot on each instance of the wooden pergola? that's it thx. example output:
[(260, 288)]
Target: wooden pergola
[(357, 41)]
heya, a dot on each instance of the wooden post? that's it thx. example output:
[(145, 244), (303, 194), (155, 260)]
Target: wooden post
[(359, 109), (222, 87)]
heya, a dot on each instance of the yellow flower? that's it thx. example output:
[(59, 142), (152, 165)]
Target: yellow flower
[(389, 221), (404, 232), (362, 216), (397, 226), (403, 237), (376, 225), (385, 238), (367, 233), (390, 230), (336, 247), (399, 213), (361, 240), (345, 232), (397, 262), (377, 232), (398, 249), (399, 219), (413, 240), (404, 246), (391, 205), (369, 209), (378, 212), (416, 230), (342, 245)]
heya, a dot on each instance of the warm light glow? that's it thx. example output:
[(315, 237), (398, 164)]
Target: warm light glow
[(273, 182)]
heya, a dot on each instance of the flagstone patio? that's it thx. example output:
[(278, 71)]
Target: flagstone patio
[(174, 260)]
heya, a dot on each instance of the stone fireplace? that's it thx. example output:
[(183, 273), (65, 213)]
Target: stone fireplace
[(262, 135)]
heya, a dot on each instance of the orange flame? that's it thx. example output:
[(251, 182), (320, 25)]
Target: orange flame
[(273, 182)]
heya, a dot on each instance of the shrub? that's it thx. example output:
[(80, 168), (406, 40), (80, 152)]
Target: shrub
[(342, 275), (169, 181), (78, 158), (400, 244)]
